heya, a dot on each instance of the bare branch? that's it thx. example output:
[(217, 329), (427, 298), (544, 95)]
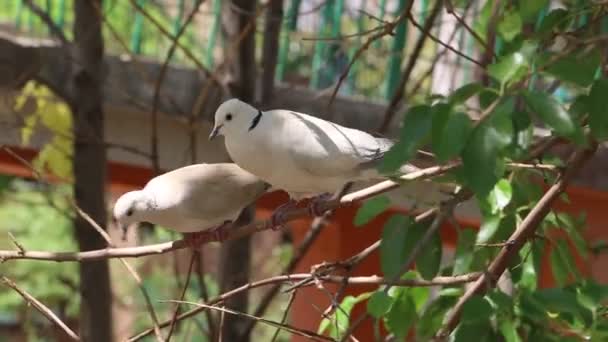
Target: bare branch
[(159, 82), (48, 21), (130, 252), (425, 32), (301, 332), (387, 30), (363, 281), (42, 308), (129, 268)]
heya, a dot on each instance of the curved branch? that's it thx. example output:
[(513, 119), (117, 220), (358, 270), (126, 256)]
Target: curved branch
[(237, 233)]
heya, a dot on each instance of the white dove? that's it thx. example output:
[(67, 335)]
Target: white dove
[(200, 200), (301, 154)]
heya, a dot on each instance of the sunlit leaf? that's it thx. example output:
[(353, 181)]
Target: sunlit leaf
[(379, 303), (500, 196), (402, 313), (510, 25), (488, 228)]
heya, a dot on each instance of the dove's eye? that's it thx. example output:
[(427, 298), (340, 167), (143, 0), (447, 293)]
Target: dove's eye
[(228, 117), (130, 212)]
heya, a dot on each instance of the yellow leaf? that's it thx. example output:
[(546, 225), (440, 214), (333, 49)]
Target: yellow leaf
[(28, 129)]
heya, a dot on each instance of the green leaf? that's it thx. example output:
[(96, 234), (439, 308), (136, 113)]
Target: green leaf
[(338, 322), (476, 309), (565, 253), (509, 68), (415, 231), (481, 164), (558, 300), (488, 228), (559, 266), (510, 25), (573, 227), (464, 251), (465, 92), (379, 304), (450, 132), (529, 9), (432, 317), (392, 245), (579, 70), (370, 209), (500, 196), (402, 313), (598, 109), (551, 112), (508, 329), (415, 130), (524, 133), (478, 332), (557, 19), (429, 259)]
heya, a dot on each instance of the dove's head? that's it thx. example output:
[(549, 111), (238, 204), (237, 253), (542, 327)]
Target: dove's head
[(130, 208), (234, 117)]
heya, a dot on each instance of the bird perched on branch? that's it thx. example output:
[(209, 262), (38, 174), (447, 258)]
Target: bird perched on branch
[(301, 154), (201, 200)]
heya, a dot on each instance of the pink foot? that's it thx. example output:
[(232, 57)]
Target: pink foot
[(278, 215), (218, 234)]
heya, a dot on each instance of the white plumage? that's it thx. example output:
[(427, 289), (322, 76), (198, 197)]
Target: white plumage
[(191, 199), (301, 154)]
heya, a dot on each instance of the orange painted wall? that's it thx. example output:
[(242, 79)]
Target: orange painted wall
[(340, 239)]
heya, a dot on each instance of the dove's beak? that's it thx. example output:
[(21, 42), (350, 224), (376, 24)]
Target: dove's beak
[(215, 132)]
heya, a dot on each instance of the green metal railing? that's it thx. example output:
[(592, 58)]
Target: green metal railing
[(315, 63)]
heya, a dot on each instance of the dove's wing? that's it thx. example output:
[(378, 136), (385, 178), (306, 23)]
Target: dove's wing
[(326, 149), (219, 190)]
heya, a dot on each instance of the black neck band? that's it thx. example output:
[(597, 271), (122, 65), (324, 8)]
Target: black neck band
[(256, 120)]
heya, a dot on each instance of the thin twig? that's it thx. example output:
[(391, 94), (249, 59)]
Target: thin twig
[(129, 268), (181, 297), (42, 308), (450, 9), (285, 313), (425, 32), (387, 30), (17, 244), (517, 240), (363, 281), (310, 237), (159, 82), (296, 331), (48, 21)]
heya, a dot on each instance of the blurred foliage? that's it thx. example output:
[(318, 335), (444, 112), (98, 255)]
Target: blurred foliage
[(42, 110), (30, 211)]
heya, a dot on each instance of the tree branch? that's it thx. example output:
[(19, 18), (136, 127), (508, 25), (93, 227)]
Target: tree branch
[(132, 252), (517, 240), (365, 280), (41, 307)]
